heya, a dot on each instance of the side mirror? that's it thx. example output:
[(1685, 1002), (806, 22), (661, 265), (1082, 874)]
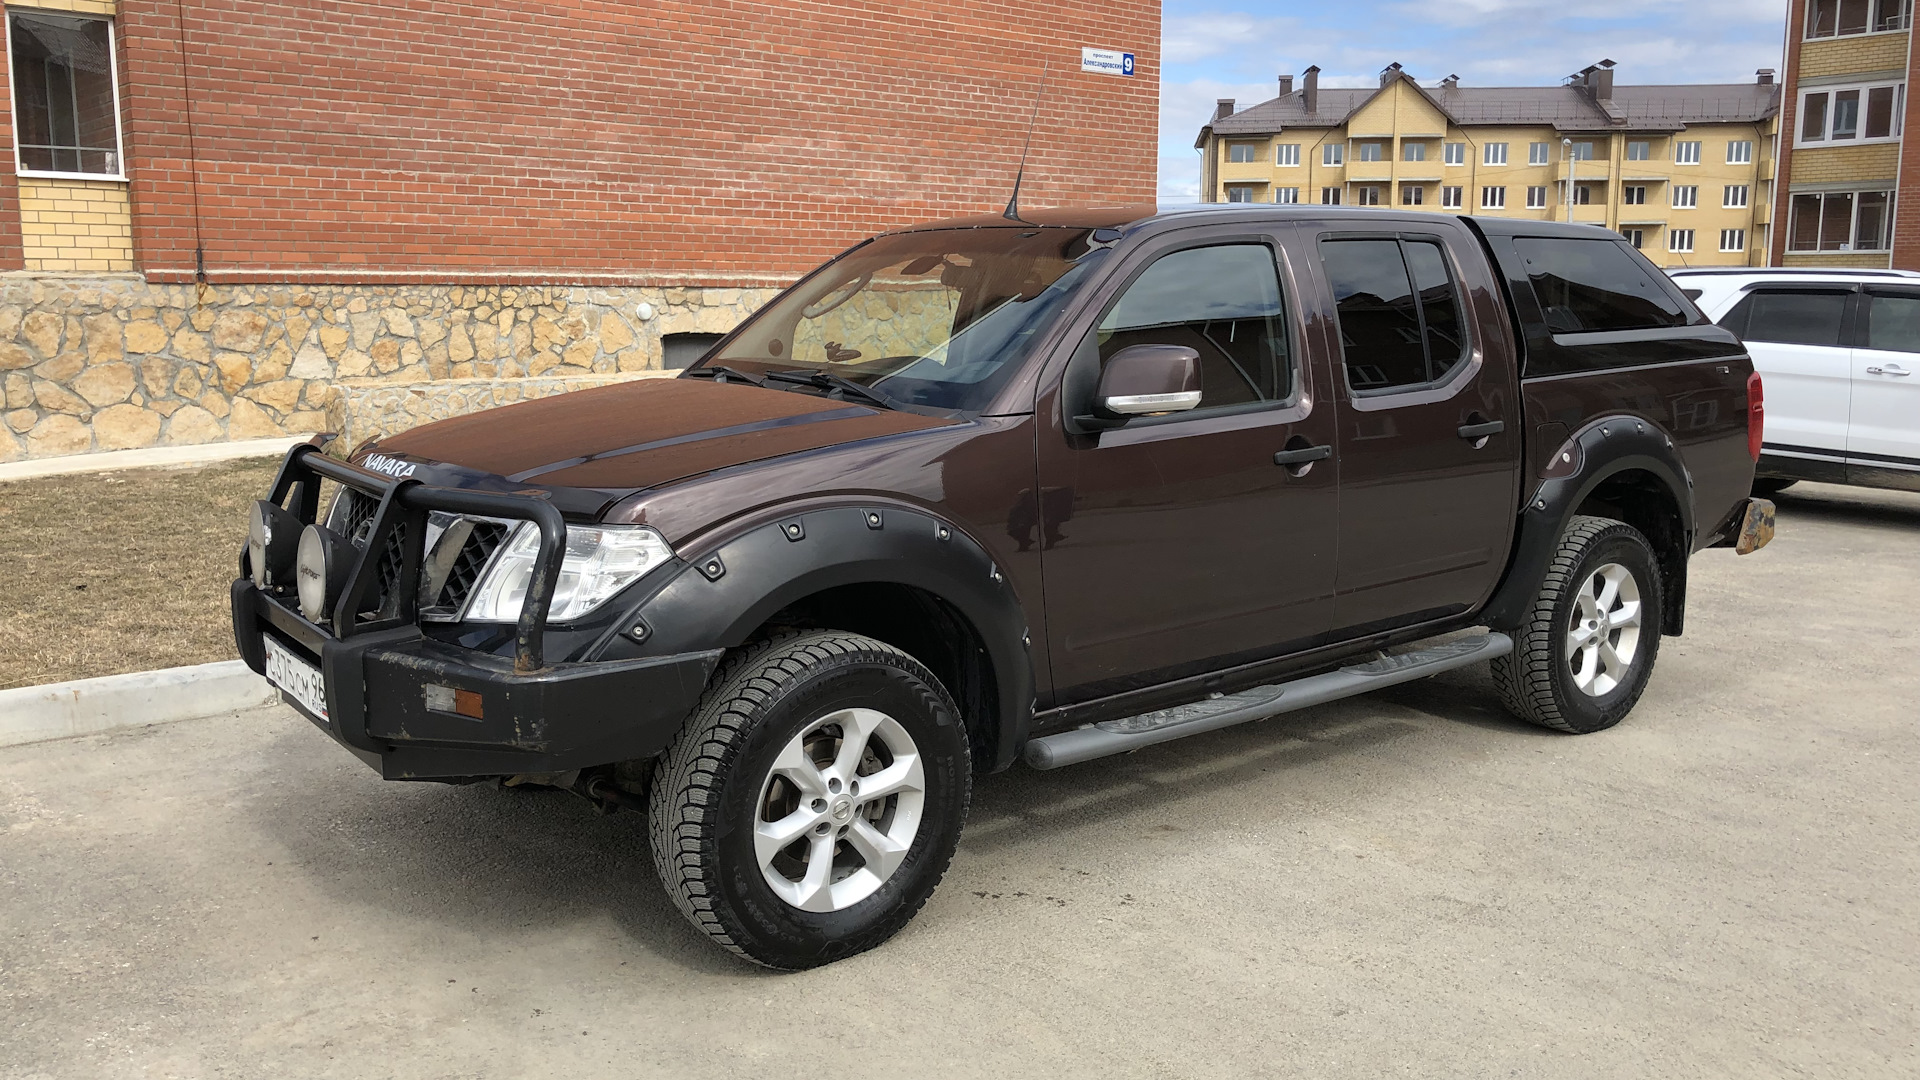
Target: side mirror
[(1143, 379)]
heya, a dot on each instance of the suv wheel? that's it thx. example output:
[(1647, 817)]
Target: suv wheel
[(1586, 648), (813, 800)]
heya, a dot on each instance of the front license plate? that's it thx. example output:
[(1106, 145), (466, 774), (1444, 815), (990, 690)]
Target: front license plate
[(300, 680)]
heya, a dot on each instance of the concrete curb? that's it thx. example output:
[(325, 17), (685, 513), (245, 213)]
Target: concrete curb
[(153, 457), (86, 706)]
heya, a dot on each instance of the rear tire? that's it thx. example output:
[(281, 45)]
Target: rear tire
[(1586, 648), (761, 832), (1766, 487)]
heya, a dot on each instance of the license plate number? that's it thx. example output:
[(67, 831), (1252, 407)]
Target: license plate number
[(300, 680)]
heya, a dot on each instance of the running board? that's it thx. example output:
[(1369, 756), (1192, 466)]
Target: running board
[(1259, 703)]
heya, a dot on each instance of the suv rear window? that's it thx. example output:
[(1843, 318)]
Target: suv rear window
[(1588, 285)]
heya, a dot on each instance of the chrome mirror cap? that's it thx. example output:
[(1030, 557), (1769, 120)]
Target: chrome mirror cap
[(1141, 404)]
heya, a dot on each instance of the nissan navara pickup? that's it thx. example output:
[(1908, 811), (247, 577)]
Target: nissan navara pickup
[(1038, 489)]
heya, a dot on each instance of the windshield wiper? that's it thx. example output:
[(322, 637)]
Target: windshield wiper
[(721, 373), (840, 383)]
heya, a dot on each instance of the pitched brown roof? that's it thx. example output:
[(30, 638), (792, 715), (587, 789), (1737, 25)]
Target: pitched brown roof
[(1567, 108)]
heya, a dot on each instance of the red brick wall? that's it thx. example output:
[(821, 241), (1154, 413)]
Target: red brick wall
[(1906, 200), (1789, 119), (578, 137), (11, 255)]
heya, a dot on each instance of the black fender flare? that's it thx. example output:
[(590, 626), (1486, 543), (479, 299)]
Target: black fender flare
[(727, 588), (1603, 448)]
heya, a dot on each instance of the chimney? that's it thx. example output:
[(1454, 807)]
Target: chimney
[(1310, 88), (1600, 80), (1389, 73), (1223, 108), (1765, 76), (1286, 85), (1451, 82)]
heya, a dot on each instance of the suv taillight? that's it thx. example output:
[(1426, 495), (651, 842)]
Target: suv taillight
[(1756, 415)]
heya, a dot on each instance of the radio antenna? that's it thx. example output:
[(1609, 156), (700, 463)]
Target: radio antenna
[(1012, 213)]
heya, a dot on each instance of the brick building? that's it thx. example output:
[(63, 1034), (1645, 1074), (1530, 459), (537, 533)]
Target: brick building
[(231, 218), (1847, 175)]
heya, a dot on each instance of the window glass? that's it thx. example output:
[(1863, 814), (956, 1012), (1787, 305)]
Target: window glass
[(1224, 303), (63, 104), (1835, 217), (1893, 323), (1793, 318), (1594, 285), (1813, 117), (1400, 315), (1639, 151), (1414, 151), (1879, 112), (1242, 152), (1870, 231), (1371, 151)]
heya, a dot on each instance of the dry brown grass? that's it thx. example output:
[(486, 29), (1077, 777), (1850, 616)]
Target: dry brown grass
[(111, 572)]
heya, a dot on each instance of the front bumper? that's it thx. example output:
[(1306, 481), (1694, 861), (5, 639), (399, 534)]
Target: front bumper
[(566, 716)]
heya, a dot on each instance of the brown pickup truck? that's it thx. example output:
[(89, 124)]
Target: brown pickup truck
[(1038, 489)]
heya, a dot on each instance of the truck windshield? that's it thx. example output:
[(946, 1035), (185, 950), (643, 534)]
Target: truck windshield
[(938, 319)]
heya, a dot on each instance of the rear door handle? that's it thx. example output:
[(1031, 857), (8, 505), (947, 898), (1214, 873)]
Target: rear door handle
[(1303, 456), (1898, 372), (1481, 431)]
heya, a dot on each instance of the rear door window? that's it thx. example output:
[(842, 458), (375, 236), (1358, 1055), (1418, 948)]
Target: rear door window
[(1400, 311), (1595, 285), (1791, 317)]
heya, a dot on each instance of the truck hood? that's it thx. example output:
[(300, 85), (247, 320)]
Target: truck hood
[(637, 435)]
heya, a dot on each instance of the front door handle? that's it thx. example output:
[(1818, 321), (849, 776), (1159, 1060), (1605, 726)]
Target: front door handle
[(1895, 370), (1304, 456), (1481, 431)]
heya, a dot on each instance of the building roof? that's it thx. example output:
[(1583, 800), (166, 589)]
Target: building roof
[(1567, 108)]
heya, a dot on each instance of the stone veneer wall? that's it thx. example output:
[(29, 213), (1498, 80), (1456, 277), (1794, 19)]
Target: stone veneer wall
[(112, 362)]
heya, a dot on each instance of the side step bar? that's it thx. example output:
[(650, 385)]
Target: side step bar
[(1259, 703)]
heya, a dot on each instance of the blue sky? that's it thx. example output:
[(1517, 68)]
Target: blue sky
[(1237, 48)]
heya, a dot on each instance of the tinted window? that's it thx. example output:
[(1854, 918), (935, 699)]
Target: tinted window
[(1595, 285), (1793, 318), (1224, 303), (1400, 321), (1893, 322)]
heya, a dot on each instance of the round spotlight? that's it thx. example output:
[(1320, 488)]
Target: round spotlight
[(273, 538), (325, 560)]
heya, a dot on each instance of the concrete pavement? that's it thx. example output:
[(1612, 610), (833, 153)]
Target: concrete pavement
[(1407, 884)]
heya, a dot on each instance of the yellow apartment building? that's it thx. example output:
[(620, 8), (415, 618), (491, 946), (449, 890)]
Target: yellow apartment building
[(1848, 63), (1683, 172)]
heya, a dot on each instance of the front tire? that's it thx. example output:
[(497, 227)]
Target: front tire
[(813, 800), (1586, 648)]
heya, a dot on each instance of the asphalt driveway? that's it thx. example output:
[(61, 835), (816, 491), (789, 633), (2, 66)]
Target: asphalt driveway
[(1409, 884)]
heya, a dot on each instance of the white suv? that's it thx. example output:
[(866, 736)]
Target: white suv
[(1838, 353)]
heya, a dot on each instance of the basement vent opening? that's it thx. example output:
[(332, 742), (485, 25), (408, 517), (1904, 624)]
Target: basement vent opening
[(679, 350)]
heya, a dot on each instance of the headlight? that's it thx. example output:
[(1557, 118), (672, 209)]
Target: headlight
[(601, 560)]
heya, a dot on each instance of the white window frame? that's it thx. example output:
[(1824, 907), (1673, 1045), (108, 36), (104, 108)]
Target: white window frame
[(1419, 194), (1240, 189), (1728, 194), (1636, 237), (119, 126), (1536, 197), (1451, 196), (1674, 241), (1493, 153), (1833, 91), (1252, 150), (1330, 196), (1738, 236), (1366, 195), (1413, 150), (1686, 197), (1286, 196), (1333, 155), (1646, 150), (1633, 195), (1489, 192), (1377, 147), (1906, 20), (1454, 153), (1286, 155), (1538, 153), (1583, 194), (1853, 218), (1686, 152), (1739, 151)]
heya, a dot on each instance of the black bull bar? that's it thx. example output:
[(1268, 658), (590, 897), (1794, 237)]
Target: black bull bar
[(404, 501)]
